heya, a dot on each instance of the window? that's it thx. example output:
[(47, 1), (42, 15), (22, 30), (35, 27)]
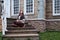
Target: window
[(15, 7), (56, 7), (29, 6)]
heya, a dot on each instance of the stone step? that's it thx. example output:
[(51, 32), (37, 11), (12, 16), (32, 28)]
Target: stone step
[(10, 20), (26, 24), (20, 28), (20, 35), (26, 38), (10, 25), (21, 31)]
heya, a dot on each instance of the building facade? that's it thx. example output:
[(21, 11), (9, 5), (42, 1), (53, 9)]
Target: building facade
[(42, 14)]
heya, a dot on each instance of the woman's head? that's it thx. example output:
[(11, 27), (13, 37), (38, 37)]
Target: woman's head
[(21, 13)]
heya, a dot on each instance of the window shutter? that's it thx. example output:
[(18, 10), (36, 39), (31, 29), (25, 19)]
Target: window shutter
[(41, 9)]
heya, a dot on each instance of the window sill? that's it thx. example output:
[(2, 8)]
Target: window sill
[(56, 14), (36, 19)]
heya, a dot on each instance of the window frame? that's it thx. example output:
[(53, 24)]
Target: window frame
[(25, 13), (13, 8), (54, 14)]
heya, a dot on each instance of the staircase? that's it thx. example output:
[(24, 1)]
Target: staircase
[(20, 33)]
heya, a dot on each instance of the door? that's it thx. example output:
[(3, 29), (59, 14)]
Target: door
[(5, 14)]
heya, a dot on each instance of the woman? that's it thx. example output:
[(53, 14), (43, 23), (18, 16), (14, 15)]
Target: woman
[(20, 21)]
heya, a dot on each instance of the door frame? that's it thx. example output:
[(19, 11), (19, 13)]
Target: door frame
[(5, 15)]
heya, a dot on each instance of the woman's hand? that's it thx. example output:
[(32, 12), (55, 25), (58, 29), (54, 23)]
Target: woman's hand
[(17, 20), (22, 21)]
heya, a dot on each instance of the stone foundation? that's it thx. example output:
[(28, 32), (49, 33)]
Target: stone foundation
[(42, 25), (53, 25), (38, 24)]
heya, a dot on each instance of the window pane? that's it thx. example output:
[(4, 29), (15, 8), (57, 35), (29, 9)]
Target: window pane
[(16, 6), (29, 6), (57, 6)]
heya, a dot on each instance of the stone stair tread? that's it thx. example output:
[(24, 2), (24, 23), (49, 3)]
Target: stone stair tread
[(21, 35), (20, 30), (20, 27), (10, 25)]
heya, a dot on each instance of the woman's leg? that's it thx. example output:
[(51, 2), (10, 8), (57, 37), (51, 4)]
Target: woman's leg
[(14, 24), (20, 24)]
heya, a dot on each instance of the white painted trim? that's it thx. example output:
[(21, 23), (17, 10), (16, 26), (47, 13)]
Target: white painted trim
[(25, 8), (36, 19), (4, 25), (5, 14), (57, 14), (13, 8), (53, 6), (7, 8), (33, 6)]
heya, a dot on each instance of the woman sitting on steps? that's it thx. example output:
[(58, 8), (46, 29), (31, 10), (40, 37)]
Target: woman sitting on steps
[(20, 21)]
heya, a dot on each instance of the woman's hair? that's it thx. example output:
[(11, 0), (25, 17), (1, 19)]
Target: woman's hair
[(22, 15)]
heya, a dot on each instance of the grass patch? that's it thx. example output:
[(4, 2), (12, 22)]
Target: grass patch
[(0, 35), (50, 36)]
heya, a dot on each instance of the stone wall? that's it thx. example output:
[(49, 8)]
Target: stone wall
[(38, 24), (53, 25), (43, 25), (49, 10)]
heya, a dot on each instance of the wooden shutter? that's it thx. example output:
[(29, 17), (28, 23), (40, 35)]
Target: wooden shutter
[(41, 9)]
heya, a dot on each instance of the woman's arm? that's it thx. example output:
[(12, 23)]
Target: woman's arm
[(23, 21)]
